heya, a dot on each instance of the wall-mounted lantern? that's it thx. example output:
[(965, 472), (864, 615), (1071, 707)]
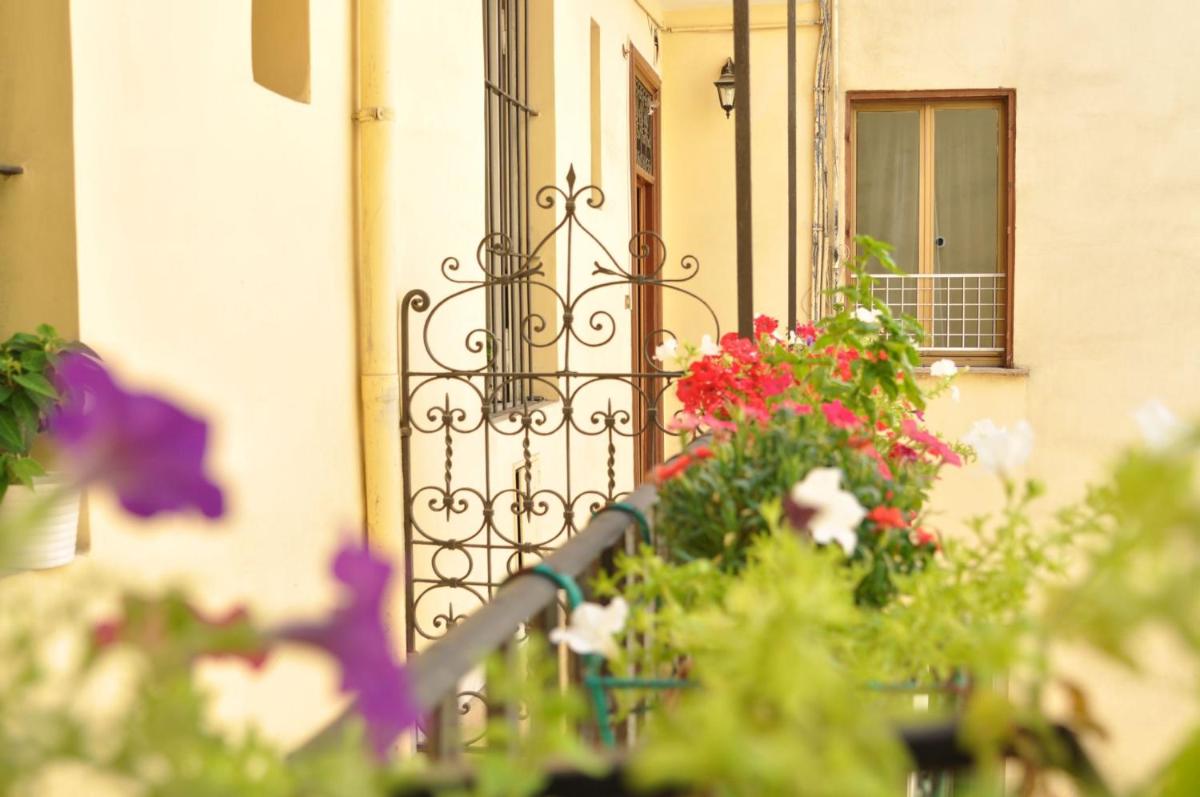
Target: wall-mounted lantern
[(724, 86)]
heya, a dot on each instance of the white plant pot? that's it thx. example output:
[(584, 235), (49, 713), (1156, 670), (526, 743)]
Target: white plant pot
[(51, 543)]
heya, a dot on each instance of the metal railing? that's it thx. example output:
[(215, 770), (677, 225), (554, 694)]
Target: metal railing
[(959, 312)]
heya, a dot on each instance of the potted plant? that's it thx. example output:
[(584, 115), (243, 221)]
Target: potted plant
[(27, 396)]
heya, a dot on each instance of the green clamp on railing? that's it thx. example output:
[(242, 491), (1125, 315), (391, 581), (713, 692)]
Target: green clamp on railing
[(593, 681), (633, 512)]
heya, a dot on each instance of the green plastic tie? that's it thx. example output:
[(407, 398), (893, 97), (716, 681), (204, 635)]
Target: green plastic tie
[(633, 512), (563, 582)]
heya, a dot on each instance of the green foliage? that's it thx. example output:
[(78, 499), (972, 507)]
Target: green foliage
[(133, 714), (26, 397), (770, 693), (517, 750)]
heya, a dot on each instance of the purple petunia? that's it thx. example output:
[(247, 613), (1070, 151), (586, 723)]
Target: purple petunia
[(355, 635), (147, 450)]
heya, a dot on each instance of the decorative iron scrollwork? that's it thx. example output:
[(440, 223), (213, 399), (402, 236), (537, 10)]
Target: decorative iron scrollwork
[(489, 492)]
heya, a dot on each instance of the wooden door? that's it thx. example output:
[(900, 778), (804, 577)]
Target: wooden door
[(646, 299)]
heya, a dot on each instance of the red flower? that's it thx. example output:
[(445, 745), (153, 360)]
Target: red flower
[(669, 470), (903, 453), (739, 348), (807, 333), (764, 325), (839, 415), (702, 452), (922, 536), (887, 517)]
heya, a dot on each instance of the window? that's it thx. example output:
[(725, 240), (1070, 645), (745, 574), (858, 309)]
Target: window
[(932, 173), (508, 199)]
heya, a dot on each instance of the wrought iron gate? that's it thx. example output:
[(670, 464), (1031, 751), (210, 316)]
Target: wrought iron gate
[(491, 486)]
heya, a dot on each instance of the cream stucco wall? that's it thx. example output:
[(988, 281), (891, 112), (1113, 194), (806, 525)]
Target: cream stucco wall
[(1106, 240), (698, 161), (215, 261)]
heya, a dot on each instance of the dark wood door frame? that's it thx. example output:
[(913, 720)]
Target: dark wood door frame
[(645, 189)]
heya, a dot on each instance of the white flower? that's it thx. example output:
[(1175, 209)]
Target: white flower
[(708, 348), (593, 628), (943, 368), (867, 316), (1160, 428), (666, 350), (780, 335), (1000, 450), (955, 394), (838, 512)]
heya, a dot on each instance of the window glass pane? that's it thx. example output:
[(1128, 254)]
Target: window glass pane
[(968, 311), (887, 194), (966, 187), (887, 181)]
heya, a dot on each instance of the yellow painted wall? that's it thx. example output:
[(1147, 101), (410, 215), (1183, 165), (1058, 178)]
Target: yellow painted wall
[(216, 260), (1106, 241), (37, 211), (698, 161)]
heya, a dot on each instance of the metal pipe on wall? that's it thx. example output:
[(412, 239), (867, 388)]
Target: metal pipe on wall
[(791, 162), (376, 73), (745, 247)]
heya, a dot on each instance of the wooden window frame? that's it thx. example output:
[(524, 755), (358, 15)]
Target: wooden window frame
[(1006, 101)]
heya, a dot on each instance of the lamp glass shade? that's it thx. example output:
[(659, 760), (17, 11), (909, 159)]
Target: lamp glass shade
[(725, 87)]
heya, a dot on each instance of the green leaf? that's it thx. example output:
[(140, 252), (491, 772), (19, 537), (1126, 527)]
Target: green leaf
[(47, 331), (36, 383), (24, 469), (27, 415), (34, 361), (5, 392), (10, 432)]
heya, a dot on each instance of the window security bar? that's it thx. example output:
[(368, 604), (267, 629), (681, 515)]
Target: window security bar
[(959, 312)]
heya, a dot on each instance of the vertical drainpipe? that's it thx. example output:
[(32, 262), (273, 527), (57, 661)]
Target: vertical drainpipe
[(376, 33)]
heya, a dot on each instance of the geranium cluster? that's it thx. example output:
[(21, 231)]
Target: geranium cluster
[(825, 422)]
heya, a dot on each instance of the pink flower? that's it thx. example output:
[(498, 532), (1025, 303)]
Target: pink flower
[(933, 444), (684, 422), (839, 415), (807, 333)]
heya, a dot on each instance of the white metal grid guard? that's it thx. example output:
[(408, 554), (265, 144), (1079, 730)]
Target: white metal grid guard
[(960, 312)]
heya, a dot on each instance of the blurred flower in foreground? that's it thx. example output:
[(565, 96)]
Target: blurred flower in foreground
[(593, 628), (355, 635), (1160, 428), (943, 368), (147, 450), (170, 630), (818, 503), (1000, 449)]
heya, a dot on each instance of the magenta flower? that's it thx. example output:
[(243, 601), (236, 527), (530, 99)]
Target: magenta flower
[(356, 636), (147, 450), (840, 415)]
